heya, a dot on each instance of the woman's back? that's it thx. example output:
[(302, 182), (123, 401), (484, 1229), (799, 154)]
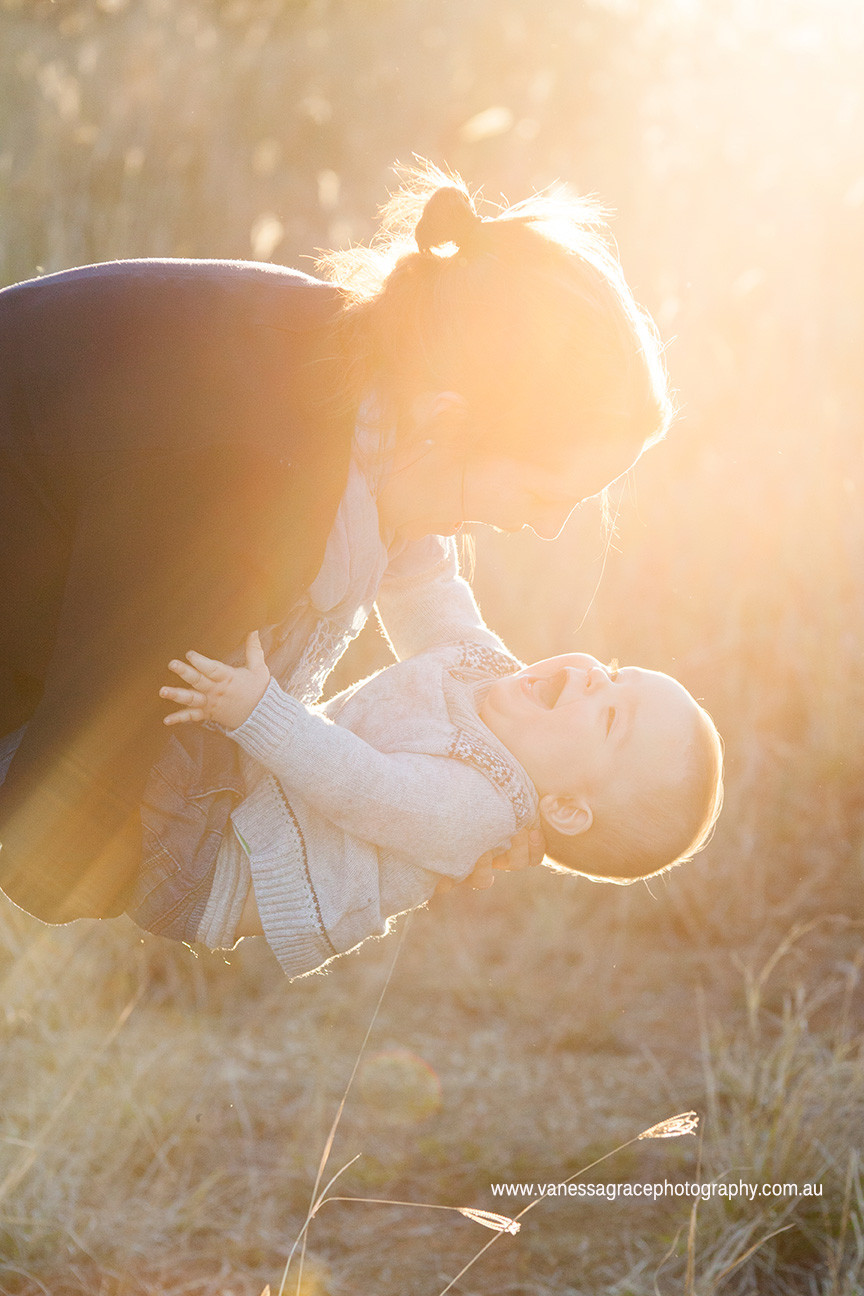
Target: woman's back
[(134, 355), (171, 458)]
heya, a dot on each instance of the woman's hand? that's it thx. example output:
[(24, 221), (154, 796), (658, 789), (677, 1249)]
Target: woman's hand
[(527, 849), (224, 694)]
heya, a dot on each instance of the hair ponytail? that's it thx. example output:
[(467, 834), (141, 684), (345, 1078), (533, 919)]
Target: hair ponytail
[(448, 217)]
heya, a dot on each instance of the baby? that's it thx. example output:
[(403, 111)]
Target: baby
[(356, 810)]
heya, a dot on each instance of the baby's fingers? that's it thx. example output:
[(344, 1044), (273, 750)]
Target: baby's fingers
[(194, 706), (188, 697), (482, 876), (190, 716), (212, 670), (526, 849), (188, 673), (254, 652)]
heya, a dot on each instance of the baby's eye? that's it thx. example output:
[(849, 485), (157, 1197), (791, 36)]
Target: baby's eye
[(610, 720), (613, 669)]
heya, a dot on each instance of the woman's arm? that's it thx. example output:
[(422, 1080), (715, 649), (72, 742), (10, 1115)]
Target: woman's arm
[(423, 601)]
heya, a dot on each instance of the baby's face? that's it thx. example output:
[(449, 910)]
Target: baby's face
[(578, 727)]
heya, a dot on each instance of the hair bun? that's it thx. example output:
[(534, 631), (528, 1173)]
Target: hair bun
[(448, 217)]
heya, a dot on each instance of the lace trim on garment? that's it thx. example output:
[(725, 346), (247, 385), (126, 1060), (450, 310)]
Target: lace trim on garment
[(303, 649), (322, 651), (489, 663), (470, 749)]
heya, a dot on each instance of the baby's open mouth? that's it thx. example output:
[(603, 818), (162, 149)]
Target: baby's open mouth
[(547, 690)]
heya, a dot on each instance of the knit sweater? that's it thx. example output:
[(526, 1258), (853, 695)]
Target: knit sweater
[(355, 810), (374, 798)]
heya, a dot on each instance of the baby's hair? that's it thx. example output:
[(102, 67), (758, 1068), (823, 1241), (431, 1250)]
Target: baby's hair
[(523, 310), (658, 828)]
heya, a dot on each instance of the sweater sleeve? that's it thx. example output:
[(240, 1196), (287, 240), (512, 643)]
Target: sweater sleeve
[(423, 602), (424, 808)]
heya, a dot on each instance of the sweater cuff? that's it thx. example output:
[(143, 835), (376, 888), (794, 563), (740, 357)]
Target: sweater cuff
[(266, 731)]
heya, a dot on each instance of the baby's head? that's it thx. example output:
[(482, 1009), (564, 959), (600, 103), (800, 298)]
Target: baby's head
[(628, 767)]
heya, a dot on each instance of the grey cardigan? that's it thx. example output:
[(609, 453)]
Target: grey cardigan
[(356, 809)]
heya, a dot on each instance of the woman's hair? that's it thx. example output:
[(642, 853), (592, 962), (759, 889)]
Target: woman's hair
[(524, 312), (659, 827)]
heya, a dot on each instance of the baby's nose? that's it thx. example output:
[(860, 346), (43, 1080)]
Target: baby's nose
[(595, 678)]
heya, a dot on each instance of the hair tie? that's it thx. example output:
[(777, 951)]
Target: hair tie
[(448, 217)]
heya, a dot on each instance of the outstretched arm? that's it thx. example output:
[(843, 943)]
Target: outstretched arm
[(424, 602), (430, 809), (398, 801)]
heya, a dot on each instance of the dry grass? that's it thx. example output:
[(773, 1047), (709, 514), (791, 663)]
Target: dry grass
[(185, 1158), (163, 1116)]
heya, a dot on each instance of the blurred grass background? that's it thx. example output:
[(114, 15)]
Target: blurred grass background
[(173, 1149)]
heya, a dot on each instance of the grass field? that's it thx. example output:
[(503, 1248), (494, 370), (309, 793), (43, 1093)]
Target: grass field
[(163, 1114)]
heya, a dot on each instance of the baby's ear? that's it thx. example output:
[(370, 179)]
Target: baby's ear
[(570, 815)]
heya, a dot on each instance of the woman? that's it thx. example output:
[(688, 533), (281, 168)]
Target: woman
[(175, 427)]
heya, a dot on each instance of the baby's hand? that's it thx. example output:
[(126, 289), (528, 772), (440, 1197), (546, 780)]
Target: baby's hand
[(225, 694), (527, 850)]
